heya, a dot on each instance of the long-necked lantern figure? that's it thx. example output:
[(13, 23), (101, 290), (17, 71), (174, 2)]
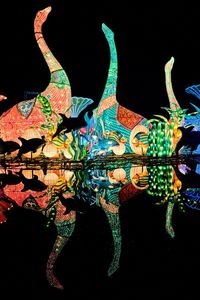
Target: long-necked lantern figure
[(46, 124), (45, 127)]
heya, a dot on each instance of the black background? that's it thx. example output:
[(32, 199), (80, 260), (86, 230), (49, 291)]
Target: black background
[(146, 36)]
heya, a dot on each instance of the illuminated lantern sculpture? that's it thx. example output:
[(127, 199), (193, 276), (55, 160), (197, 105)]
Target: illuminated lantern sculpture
[(119, 174), (41, 112), (56, 97), (112, 129), (50, 150), (50, 179), (30, 173), (139, 177)]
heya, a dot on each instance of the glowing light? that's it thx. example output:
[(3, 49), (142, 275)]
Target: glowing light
[(50, 150), (50, 179)]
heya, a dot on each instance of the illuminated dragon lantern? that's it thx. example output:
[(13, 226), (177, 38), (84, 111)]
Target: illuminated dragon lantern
[(112, 128)]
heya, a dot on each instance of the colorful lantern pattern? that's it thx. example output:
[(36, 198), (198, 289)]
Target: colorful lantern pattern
[(111, 130), (59, 193), (28, 131)]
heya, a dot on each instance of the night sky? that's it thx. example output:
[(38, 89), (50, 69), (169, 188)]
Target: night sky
[(146, 37)]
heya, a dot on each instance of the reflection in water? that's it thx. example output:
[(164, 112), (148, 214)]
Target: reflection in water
[(60, 193)]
